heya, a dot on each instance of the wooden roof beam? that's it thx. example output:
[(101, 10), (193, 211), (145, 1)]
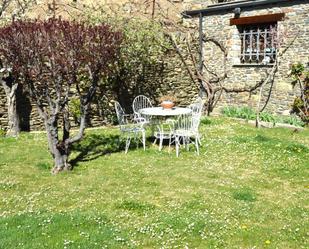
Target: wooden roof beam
[(257, 19)]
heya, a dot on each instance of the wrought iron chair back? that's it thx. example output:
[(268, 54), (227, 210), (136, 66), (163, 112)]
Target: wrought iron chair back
[(186, 130), (121, 116), (197, 110), (140, 102), (188, 123)]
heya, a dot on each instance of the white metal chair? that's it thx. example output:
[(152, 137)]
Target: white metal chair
[(139, 103), (197, 106), (197, 110), (129, 129), (165, 131), (186, 130)]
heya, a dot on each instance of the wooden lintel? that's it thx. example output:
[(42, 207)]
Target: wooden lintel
[(257, 19)]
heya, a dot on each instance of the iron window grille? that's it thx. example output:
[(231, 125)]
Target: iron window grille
[(259, 43)]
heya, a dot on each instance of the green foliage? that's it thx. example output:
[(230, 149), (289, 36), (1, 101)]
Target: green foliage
[(43, 166), (292, 120), (74, 108), (297, 69), (268, 117), (250, 114), (300, 76), (236, 112), (135, 206), (205, 121), (244, 194), (2, 132), (140, 64)]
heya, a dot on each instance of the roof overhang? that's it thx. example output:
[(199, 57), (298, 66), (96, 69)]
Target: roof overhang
[(215, 9), (257, 19)]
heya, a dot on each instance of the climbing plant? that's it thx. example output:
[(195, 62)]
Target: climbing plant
[(300, 77)]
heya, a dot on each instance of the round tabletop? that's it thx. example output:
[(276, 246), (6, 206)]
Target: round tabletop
[(159, 111)]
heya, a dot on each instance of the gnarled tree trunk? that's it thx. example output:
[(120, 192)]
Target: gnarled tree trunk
[(10, 89), (58, 149)]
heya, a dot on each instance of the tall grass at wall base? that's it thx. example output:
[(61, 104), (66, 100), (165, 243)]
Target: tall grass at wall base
[(250, 114)]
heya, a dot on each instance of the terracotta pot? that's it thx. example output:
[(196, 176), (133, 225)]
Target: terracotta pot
[(167, 104)]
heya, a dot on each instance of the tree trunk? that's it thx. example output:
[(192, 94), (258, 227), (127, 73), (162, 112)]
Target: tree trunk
[(61, 157), (58, 149), (13, 117)]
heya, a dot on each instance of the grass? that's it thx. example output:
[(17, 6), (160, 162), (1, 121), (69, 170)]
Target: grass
[(250, 114), (247, 189)]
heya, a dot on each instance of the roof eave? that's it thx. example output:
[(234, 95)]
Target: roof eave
[(229, 6)]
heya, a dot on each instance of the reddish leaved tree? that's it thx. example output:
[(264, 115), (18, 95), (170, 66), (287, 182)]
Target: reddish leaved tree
[(57, 61)]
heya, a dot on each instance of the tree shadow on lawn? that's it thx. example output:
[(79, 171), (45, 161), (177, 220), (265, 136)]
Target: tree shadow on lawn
[(93, 146)]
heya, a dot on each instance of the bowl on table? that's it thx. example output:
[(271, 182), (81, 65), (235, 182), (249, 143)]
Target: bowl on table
[(167, 104)]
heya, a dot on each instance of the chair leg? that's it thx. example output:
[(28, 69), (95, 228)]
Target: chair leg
[(128, 140), (161, 142), (199, 139), (136, 139), (187, 139), (177, 145), (197, 145), (144, 140), (169, 143)]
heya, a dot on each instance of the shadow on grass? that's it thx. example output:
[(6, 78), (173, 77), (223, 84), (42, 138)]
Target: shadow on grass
[(94, 146)]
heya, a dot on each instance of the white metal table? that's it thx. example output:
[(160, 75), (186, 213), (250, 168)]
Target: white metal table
[(160, 115), (159, 111)]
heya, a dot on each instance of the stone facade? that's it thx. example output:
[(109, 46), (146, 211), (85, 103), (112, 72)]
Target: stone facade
[(295, 25)]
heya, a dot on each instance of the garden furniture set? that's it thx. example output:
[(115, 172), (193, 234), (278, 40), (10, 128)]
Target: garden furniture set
[(178, 125)]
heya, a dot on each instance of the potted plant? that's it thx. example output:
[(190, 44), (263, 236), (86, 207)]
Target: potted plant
[(167, 101)]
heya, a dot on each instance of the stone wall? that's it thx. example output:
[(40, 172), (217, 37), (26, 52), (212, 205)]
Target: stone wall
[(170, 76), (3, 112), (295, 24), (166, 77)]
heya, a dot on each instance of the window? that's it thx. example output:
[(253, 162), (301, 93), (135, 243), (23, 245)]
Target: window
[(258, 43)]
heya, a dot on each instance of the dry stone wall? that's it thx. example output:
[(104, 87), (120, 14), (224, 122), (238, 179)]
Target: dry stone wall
[(170, 76), (3, 112), (167, 77)]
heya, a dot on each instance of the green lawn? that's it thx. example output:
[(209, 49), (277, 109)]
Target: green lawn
[(248, 189)]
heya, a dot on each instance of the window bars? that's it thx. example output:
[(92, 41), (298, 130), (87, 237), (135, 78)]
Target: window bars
[(259, 43)]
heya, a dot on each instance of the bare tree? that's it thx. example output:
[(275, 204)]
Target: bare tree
[(210, 81)]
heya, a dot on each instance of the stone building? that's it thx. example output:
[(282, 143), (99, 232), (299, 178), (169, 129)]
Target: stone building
[(247, 29), (254, 33)]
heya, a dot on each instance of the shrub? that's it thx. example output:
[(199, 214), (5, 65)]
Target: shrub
[(239, 112), (268, 117), (249, 114), (2, 132), (300, 76), (140, 65), (292, 120), (74, 108)]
